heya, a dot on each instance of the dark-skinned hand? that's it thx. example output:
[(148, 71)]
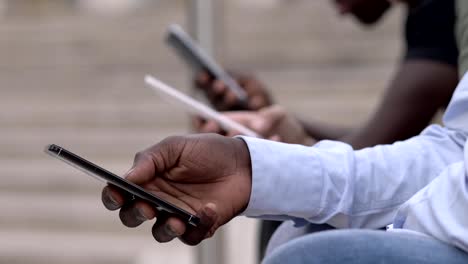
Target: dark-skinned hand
[(221, 97), (207, 175)]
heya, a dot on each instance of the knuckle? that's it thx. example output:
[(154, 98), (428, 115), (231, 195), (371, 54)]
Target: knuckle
[(143, 155), (139, 155), (172, 140)]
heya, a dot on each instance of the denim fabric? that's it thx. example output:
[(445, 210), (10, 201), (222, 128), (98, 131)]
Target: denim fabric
[(358, 246)]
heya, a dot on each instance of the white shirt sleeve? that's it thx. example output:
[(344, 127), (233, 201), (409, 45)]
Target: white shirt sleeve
[(441, 208), (332, 183)]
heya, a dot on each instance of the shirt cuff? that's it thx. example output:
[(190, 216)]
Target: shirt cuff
[(284, 181)]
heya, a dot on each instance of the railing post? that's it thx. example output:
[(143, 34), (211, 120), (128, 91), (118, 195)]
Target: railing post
[(204, 21), (3, 8)]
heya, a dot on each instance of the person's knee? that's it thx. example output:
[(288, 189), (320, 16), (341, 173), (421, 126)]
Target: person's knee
[(365, 247), (281, 236), (336, 246), (287, 232), (306, 249)]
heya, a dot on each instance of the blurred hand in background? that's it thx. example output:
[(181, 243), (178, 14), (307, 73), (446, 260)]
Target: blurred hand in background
[(271, 122), (223, 99)]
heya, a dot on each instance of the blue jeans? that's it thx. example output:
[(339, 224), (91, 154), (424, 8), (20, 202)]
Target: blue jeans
[(308, 245)]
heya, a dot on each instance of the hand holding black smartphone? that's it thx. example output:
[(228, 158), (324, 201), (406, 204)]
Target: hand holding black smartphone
[(119, 182), (199, 60)]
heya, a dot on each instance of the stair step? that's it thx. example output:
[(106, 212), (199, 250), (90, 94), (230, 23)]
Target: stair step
[(79, 212), (50, 247), (50, 176), (90, 143), (76, 226), (83, 115)]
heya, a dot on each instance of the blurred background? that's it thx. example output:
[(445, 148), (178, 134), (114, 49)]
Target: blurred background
[(71, 73)]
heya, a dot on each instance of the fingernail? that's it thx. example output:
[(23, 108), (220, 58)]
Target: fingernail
[(111, 199), (139, 214), (169, 231)]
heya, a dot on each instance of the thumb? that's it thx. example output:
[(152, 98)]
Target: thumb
[(275, 137), (143, 169), (270, 117), (155, 159)]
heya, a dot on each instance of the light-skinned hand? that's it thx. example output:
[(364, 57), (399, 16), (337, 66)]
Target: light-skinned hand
[(272, 123)]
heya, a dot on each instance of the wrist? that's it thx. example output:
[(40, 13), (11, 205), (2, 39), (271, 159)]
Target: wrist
[(244, 167)]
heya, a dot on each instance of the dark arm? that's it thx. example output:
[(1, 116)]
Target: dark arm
[(321, 130), (419, 89)]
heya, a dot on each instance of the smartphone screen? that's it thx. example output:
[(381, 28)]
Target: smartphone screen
[(119, 182)]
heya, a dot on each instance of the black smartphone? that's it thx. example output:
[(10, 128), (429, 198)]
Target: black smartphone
[(199, 60), (132, 189)]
